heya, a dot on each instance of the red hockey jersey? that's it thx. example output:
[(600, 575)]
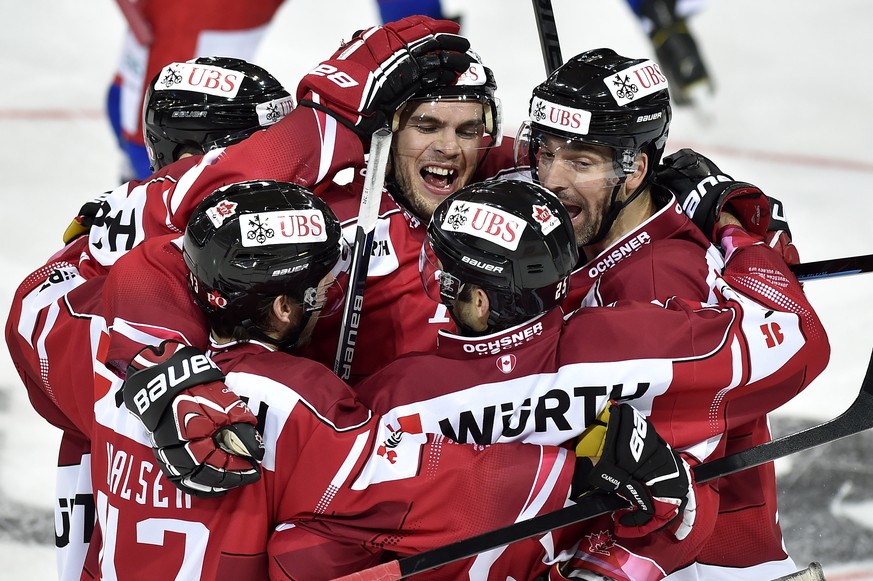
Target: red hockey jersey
[(695, 370)]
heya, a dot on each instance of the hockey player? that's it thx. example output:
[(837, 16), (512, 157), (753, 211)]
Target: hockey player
[(447, 135), (497, 256), (184, 116), (665, 21), (339, 485), (161, 32), (598, 129)]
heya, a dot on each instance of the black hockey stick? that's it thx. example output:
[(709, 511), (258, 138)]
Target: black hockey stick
[(548, 32), (368, 214), (857, 418), (833, 267)]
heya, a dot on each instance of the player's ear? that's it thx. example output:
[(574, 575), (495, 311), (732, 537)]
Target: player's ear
[(641, 166), (284, 310)]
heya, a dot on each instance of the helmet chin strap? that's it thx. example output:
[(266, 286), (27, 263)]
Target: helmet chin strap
[(615, 207), (287, 342)]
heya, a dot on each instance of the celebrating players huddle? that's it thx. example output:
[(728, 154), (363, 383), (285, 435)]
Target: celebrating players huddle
[(598, 323)]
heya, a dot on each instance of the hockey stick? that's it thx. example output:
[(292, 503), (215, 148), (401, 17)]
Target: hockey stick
[(368, 214), (833, 267), (857, 418), (812, 573), (548, 32), (139, 26)]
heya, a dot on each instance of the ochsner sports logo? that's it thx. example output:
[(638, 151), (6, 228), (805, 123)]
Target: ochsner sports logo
[(560, 117), (484, 222), (636, 82), (200, 78), (282, 227)]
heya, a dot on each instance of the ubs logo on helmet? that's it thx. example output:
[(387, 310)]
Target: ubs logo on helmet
[(560, 117), (636, 82), (200, 78), (485, 222)]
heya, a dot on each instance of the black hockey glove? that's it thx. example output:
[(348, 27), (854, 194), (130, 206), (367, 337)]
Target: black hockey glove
[(203, 436), (778, 235), (364, 83), (635, 463), (704, 191), (83, 221)]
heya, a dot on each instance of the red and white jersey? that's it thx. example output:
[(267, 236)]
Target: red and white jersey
[(335, 478), (695, 370), (397, 317), (332, 476), (304, 147), (665, 256)]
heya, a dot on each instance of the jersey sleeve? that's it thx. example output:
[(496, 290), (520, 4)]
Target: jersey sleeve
[(306, 147), (146, 301)]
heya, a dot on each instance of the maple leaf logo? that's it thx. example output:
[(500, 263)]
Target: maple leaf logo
[(600, 543)]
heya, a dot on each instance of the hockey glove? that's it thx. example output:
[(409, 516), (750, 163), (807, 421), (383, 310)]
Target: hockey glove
[(704, 191), (778, 235), (203, 436), (364, 83), (635, 463), (82, 223)]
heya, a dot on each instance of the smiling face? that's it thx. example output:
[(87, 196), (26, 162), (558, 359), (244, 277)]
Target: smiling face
[(583, 177), (436, 150)]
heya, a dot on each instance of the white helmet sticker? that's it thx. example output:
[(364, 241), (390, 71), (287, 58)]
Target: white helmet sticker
[(220, 212), (282, 227), (200, 78), (636, 82), (560, 117), (544, 217), (485, 222), (474, 76), (272, 111)]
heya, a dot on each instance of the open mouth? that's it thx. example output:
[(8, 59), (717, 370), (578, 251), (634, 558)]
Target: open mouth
[(574, 211), (439, 179)]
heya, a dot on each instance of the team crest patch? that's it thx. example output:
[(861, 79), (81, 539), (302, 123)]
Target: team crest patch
[(220, 212), (282, 227), (506, 363), (544, 217), (486, 222), (600, 543), (200, 78), (636, 82)]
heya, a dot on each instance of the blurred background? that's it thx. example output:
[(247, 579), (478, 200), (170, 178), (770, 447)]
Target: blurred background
[(791, 113)]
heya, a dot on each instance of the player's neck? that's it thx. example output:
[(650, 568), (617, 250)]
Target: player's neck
[(630, 217)]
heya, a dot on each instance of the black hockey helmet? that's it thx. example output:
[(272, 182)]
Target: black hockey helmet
[(602, 98), (477, 83), (512, 238), (206, 103), (251, 241)]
